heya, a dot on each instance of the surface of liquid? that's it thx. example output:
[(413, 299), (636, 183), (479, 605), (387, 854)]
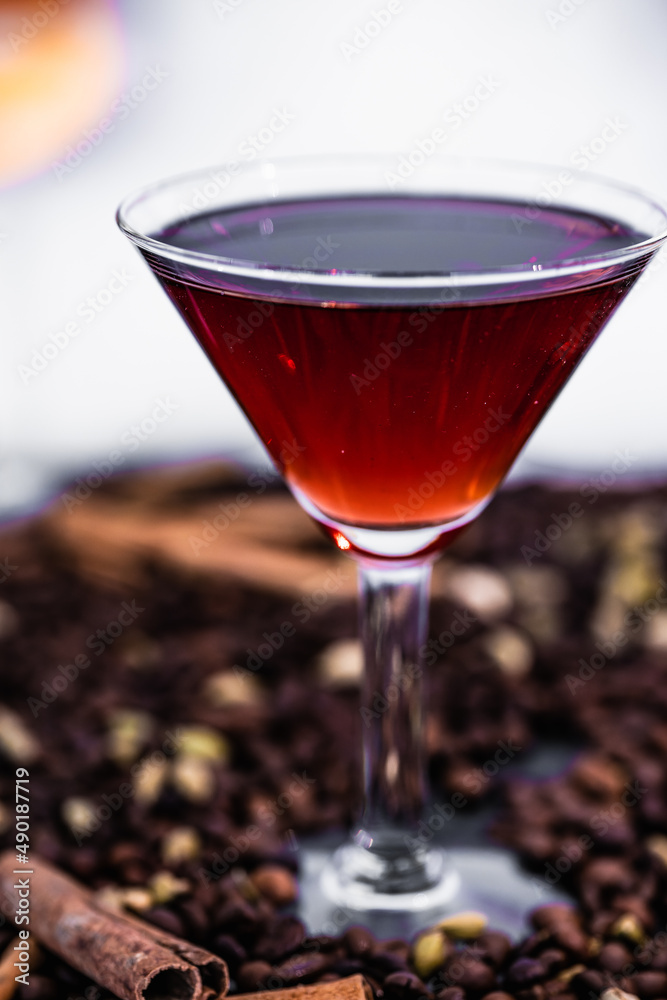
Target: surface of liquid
[(389, 416)]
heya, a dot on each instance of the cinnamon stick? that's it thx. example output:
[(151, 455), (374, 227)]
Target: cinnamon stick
[(212, 970), (125, 955), (351, 988)]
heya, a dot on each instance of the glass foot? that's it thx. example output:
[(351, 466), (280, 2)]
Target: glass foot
[(363, 881), (336, 891)]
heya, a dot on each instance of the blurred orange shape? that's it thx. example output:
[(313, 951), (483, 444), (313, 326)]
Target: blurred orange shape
[(61, 66)]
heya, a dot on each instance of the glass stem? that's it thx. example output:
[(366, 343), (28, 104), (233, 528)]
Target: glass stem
[(394, 623)]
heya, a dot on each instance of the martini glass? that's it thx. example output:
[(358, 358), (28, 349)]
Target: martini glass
[(394, 342)]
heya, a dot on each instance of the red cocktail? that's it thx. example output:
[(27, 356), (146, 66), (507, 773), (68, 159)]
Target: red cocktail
[(394, 353)]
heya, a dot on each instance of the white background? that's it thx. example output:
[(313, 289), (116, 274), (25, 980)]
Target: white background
[(559, 77)]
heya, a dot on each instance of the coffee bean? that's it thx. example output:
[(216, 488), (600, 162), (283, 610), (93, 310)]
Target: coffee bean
[(230, 951), (613, 956), (456, 993), (655, 957), (397, 947), (165, 918), (346, 966), (404, 986), (599, 776), (534, 992), (386, 962), (610, 873), (494, 946), (125, 851), (283, 936), (359, 941), (85, 861), (302, 969), (600, 922), (525, 971), (470, 974), (134, 873), (195, 916), (252, 976), (587, 985), (649, 984), (553, 915), (322, 942), (276, 884), (533, 944), (572, 940), (553, 960), (238, 916)]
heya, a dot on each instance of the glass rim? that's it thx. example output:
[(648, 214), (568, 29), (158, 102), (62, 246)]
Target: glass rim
[(340, 278)]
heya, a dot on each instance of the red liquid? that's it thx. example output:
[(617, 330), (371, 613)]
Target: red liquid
[(390, 416)]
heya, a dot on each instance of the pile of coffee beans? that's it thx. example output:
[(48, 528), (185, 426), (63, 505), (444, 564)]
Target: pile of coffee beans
[(179, 751)]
